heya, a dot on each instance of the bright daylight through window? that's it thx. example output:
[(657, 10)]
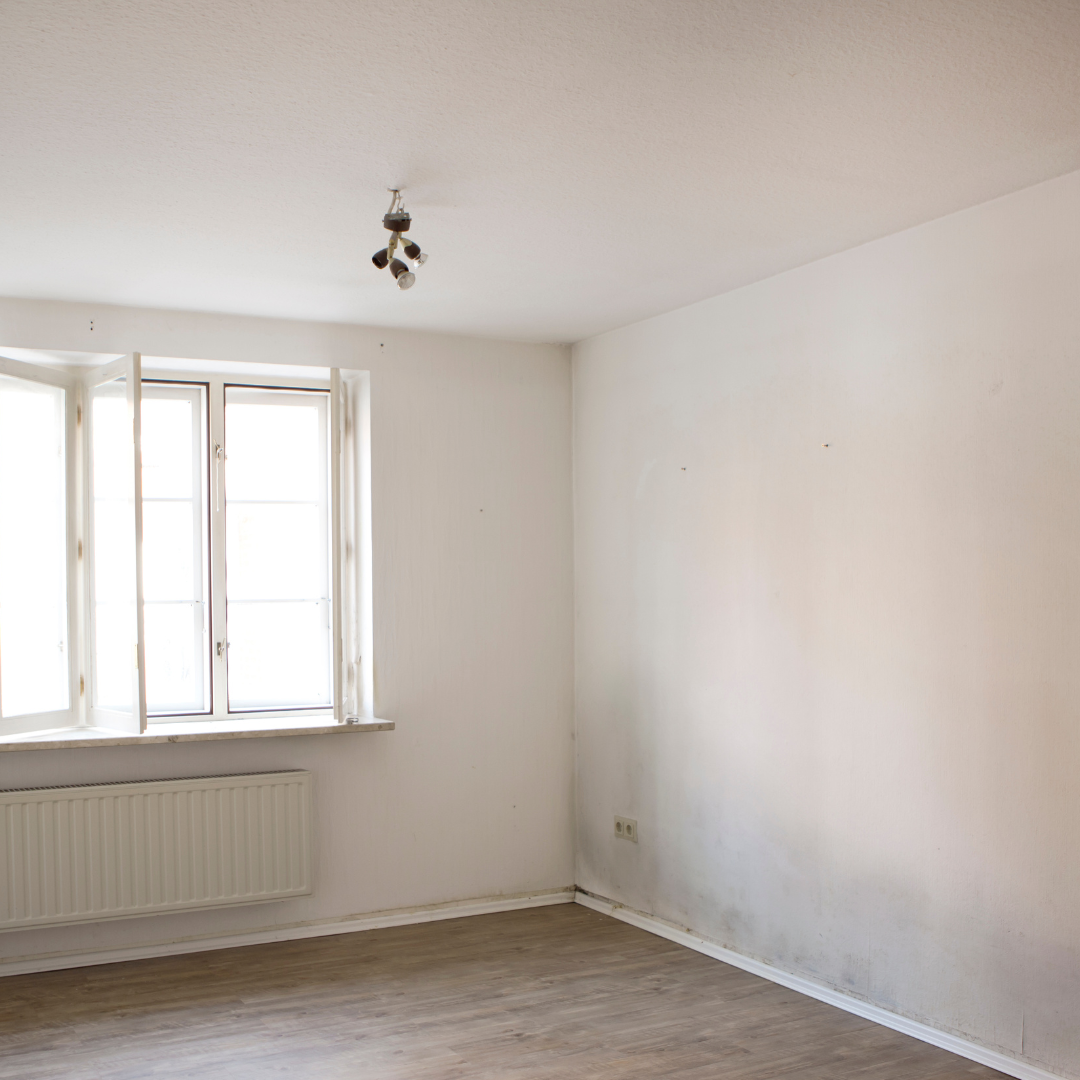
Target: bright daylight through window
[(33, 550), (204, 583), (277, 525)]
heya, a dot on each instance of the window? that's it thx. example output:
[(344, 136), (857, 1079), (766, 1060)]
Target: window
[(181, 546)]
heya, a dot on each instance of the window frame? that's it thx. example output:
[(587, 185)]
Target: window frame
[(325, 542), (216, 386)]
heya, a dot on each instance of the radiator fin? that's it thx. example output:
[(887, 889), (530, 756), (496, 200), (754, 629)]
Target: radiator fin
[(118, 850)]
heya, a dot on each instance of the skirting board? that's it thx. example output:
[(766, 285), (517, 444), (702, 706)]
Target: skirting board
[(293, 932), (925, 1033)]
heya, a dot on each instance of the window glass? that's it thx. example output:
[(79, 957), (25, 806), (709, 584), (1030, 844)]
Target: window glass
[(277, 549), (175, 624), (34, 662)]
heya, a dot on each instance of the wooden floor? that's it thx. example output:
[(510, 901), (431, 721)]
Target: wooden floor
[(557, 992)]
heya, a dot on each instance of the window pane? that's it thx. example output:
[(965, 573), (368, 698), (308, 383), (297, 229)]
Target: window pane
[(277, 549), (168, 451), (112, 442), (270, 551), (278, 656), (33, 549), (114, 575), (168, 555), (112, 655), (174, 664), (175, 630), (276, 452)]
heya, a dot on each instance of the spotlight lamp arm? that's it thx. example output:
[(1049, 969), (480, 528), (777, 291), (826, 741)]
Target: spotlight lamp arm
[(397, 221)]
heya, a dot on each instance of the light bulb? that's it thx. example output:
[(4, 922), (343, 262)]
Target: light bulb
[(421, 258), (406, 280)]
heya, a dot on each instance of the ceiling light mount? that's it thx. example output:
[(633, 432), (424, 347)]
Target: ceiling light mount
[(397, 220)]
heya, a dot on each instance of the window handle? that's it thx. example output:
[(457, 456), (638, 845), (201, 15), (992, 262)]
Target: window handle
[(221, 647), (219, 458)]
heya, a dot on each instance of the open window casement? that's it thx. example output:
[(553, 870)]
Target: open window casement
[(182, 541), (39, 609), (112, 416)]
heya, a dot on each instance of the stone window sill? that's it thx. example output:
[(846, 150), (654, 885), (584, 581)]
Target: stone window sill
[(197, 731)]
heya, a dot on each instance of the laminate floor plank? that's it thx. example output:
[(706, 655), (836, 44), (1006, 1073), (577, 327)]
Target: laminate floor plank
[(542, 994)]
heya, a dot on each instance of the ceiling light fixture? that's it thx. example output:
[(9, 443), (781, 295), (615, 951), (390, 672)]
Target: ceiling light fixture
[(397, 220)]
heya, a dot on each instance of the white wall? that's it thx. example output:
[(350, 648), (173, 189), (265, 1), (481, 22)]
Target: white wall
[(840, 688), (471, 795)]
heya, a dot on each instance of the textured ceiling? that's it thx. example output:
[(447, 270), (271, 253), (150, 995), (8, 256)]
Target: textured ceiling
[(572, 165)]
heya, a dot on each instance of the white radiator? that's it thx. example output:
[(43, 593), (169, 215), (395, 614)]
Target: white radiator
[(80, 854)]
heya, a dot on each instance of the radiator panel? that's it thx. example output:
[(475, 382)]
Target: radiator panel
[(109, 851)]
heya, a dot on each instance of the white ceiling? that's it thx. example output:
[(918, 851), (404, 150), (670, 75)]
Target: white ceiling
[(572, 165)]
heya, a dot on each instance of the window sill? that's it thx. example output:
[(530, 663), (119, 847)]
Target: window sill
[(202, 731)]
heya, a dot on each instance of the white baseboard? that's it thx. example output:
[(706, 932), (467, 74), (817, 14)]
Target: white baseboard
[(292, 932), (963, 1047)]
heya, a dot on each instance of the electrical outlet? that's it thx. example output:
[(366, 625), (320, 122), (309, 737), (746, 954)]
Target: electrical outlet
[(626, 828)]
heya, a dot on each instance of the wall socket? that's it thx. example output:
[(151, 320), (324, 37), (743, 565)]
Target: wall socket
[(626, 828)]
